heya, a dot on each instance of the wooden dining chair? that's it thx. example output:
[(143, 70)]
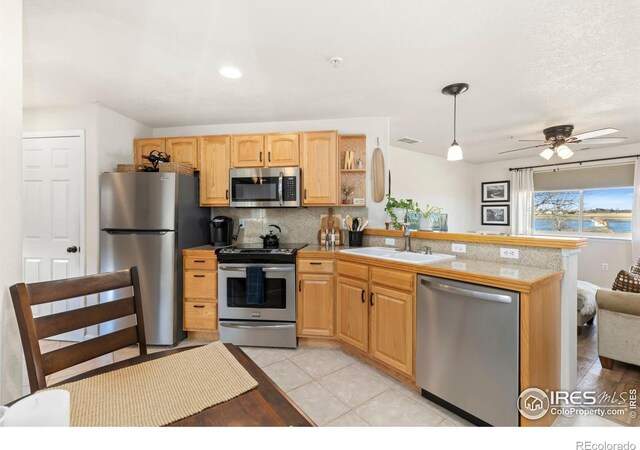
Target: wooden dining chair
[(32, 329)]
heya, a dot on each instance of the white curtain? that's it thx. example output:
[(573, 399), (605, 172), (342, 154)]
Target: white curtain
[(635, 220), (522, 191)]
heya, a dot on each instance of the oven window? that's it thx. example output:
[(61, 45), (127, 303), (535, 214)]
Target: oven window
[(253, 189), (275, 293)]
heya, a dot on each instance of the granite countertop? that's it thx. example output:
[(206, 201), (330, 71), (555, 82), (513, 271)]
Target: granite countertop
[(526, 274)]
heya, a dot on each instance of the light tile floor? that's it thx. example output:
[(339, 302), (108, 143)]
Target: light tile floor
[(331, 387)]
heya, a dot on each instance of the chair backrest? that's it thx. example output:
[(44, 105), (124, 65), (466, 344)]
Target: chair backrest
[(32, 329)]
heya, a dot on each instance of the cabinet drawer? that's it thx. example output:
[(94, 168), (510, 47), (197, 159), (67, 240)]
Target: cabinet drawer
[(200, 316), (200, 284), (204, 263), (393, 278), (353, 270), (315, 265)]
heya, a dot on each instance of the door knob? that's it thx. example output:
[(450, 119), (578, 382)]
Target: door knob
[(73, 249)]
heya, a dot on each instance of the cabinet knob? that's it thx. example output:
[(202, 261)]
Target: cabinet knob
[(305, 194), (371, 299), (198, 276), (227, 194), (299, 285), (198, 306), (260, 156), (362, 296)]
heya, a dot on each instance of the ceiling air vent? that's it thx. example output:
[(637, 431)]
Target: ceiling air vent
[(408, 140)]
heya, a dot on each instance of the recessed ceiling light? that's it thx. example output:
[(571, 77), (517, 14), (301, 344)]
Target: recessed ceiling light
[(230, 72)]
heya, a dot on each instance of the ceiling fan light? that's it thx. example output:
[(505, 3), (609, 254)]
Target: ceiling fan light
[(563, 151), (547, 153), (454, 153)]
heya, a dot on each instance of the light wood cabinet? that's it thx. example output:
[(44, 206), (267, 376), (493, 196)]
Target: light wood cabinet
[(391, 339), (315, 305), (144, 147), (215, 160), (200, 292), (319, 163), (353, 312), (247, 150), (183, 150), (283, 150)]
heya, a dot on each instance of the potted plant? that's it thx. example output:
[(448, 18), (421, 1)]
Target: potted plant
[(402, 211), (429, 215)]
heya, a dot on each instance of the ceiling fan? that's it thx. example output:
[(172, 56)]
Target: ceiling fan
[(558, 136)]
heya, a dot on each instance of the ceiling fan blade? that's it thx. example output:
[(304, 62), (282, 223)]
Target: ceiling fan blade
[(611, 140), (523, 148), (595, 133)]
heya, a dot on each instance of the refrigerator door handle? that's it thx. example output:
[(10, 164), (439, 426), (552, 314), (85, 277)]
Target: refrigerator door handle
[(119, 231)]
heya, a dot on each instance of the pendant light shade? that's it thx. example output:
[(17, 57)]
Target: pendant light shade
[(547, 153), (564, 151), (455, 152)]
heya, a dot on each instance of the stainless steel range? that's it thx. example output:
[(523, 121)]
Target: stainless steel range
[(257, 295)]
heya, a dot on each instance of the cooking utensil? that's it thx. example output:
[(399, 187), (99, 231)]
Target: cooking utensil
[(377, 174), (271, 240), (355, 224), (363, 225), (349, 223)]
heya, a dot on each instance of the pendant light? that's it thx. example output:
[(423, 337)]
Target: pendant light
[(455, 152)]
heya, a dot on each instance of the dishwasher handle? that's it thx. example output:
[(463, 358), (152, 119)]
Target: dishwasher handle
[(500, 298)]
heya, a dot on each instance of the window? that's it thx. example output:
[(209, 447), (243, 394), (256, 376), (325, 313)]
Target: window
[(603, 212)]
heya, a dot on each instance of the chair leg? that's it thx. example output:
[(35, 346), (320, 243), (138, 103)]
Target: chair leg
[(607, 363)]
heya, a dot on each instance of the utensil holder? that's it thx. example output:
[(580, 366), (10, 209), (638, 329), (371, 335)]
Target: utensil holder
[(355, 238)]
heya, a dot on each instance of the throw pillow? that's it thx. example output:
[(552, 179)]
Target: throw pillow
[(635, 269), (626, 282)]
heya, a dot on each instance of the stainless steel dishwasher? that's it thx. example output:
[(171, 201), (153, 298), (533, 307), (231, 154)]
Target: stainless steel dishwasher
[(467, 352)]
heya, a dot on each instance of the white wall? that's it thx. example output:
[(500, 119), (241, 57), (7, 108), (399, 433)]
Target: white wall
[(617, 253), (373, 127), (109, 141), (434, 181), (10, 185)]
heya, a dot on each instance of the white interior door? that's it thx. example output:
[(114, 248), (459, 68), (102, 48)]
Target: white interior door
[(52, 195)]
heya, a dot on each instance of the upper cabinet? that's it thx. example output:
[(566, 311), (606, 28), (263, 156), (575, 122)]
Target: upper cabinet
[(183, 150), (215, 159), (319, 163), (144, 147), (283, 150), (247, 150)]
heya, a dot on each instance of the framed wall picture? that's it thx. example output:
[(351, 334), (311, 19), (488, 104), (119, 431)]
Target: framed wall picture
[(495, 215), (495, 191)]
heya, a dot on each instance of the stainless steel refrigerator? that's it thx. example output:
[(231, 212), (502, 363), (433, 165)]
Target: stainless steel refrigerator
[(146, 220)]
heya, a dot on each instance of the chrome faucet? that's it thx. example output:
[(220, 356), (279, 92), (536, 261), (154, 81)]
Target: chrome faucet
[(407, 239), (427, 250)]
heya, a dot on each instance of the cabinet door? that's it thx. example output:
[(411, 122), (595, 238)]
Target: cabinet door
[(215, 154), (184, 150), (353, 312), (144, 147), (247, 151), (200, 316), (319, 162), (315, 305), (392, 328), (283, 150)]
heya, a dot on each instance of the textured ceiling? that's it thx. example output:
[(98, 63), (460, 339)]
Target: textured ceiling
[(530, 64)]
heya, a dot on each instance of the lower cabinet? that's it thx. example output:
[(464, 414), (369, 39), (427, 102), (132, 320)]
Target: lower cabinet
[(200, 294), (353, 312), (315, 305), (391, 339), (377, 315), (200, 316)]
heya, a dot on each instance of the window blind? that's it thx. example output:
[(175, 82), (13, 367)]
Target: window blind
[(585, 178)]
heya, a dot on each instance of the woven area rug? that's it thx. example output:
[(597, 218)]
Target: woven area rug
[(159, 392)]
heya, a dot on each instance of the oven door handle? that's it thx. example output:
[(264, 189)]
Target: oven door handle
[(251, 327), (264, 269), (280, 183)]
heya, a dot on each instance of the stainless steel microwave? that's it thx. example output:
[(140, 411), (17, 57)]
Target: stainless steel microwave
[(265, 188)]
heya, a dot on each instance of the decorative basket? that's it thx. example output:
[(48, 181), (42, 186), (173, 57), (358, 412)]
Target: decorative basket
[(129, 168), (181, 168)]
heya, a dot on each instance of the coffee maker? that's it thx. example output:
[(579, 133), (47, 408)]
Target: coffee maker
[(221, 228)]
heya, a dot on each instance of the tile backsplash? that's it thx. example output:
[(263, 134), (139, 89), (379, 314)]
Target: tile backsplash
[(299, 225)]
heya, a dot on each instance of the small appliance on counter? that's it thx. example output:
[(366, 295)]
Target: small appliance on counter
[(271, 240), (221, 228)]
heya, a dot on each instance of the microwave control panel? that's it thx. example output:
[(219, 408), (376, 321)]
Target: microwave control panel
[(289, 189)]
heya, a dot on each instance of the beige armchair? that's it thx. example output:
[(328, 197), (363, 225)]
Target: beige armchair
[(618, 327)]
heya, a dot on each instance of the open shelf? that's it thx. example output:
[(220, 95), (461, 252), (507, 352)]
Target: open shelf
[(355, 178)]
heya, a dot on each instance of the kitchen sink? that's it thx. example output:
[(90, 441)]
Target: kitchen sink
[(394, 255)]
